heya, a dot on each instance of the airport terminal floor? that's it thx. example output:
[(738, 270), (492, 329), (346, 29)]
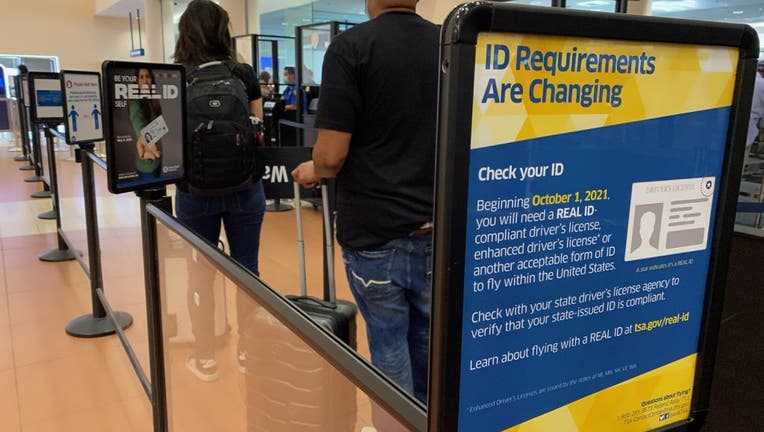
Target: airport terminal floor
[(50, 381)]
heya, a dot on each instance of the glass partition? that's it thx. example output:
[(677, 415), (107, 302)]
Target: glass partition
[(751, 194), (275, 53), (592, 5), (239, 357), (267, 53), (314, 43)]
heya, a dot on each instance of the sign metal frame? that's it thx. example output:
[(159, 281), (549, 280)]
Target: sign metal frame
[(66, 103), (458, 52), (32, 97), (108, 111)]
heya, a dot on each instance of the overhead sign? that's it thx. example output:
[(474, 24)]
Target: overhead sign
[(593, 177), (45, 97), (145, 124), (82, 105)]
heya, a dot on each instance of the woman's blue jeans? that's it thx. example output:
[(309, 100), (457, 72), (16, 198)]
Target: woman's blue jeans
[(242, 215)]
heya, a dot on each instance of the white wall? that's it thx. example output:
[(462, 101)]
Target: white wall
[(437, 10), (70, 30), (238, 15)]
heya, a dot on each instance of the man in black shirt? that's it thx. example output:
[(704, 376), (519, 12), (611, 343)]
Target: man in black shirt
[(376, 121)]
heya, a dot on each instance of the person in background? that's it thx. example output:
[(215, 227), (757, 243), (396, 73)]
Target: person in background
[(205, 37), (290, 93), (757, 108), (381, 148), (307, 74), (266, 88)]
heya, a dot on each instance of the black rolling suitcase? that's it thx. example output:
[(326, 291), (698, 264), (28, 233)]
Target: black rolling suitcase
[(336, 316), (289, 387)]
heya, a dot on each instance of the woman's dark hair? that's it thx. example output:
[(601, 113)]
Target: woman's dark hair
[(204, 34)]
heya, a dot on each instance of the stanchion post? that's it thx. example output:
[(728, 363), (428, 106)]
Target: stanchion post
[(36, 161), (156, 196), (98, 323), (62, 253), (23, 137), (277, 206), (51, 186), (24, 132), (36, 157)]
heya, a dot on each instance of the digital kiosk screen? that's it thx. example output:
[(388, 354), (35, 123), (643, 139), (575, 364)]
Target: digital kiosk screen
[(45, 97), (146, 124)]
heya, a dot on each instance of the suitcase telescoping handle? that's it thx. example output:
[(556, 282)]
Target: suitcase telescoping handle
[(328, 241), (300, 240)]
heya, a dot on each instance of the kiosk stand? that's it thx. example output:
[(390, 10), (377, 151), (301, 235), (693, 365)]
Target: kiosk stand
[(98, 323), (44, 99), (587, 173), (126, 172), (84, 127)]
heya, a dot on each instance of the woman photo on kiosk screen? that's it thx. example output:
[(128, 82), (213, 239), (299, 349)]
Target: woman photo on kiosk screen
[(204, 47), (148, 161)]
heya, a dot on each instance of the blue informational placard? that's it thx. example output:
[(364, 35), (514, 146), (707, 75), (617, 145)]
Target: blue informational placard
[(584, 205), (572, 317), (587, 239)]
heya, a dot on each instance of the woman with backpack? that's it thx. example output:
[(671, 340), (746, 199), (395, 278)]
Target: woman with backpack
[(223, 185)]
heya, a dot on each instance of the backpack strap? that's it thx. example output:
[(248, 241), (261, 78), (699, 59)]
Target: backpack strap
[(230, 64)]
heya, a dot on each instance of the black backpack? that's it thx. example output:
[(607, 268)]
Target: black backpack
[(221, 134)]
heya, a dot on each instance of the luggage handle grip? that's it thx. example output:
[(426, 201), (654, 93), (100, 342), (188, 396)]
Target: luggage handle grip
[(315, 301)]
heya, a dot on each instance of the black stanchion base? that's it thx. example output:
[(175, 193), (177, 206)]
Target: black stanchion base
[(58, 255), (48, 215), (41, 194), (34, 179), (20, 158), (88, 326), (27, 168), (277, 207)]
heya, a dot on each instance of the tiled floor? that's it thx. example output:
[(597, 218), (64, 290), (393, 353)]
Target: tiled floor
[(52, 382)]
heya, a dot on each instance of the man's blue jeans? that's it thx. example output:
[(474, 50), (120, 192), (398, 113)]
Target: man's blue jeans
[(242, 214), (391, 285)]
